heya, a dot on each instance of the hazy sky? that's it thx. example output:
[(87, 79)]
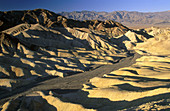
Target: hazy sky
[(90, 5)]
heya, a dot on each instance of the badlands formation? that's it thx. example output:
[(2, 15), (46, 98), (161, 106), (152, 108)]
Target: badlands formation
[(51, 63)]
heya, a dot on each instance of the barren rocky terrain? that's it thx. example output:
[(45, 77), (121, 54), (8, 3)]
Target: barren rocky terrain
[(51, 63)]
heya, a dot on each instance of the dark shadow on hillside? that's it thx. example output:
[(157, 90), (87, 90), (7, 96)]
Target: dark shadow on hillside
[(143, 33), (56, 40), (101, 104), (30, 103)]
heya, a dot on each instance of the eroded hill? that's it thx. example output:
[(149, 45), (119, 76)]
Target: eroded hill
[(49, 44), (36, 45)]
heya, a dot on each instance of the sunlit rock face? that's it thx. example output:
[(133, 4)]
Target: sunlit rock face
[(159, 45)]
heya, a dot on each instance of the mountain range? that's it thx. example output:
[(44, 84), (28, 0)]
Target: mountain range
[(128, 18)]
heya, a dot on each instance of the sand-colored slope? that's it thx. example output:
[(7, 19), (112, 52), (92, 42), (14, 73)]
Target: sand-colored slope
[(130, 39), (141, 86), (156, 31), (159, 45), (146, 78)]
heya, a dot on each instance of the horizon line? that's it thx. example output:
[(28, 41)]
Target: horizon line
[(86, 11)]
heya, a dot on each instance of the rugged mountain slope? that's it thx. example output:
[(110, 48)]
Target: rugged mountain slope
[(47, 44), (50, 19), (38, 44), (130, 19)]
